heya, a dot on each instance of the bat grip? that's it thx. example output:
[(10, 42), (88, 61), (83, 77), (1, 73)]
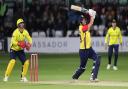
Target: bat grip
[(84, 10)]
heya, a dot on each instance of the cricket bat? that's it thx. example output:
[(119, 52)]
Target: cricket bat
[(78, 8)]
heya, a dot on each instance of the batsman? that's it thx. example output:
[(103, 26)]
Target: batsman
[(86, 51), (20, 40)]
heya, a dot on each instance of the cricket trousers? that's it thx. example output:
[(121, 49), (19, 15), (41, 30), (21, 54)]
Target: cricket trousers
[(110, 52), (86, 54)]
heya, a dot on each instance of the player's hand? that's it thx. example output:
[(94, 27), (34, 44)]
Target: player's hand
[(92, 13), (22, 44), (106, 46), (28, 46), (121, 46)]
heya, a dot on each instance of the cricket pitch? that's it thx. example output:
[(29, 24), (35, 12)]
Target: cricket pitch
[(87, 83)]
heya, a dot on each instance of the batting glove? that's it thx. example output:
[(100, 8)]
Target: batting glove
[(92, 13)]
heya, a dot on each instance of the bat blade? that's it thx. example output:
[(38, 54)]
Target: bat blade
[(74, 7), (78, 8)]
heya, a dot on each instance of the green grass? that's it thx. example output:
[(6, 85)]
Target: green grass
[(61, 67), (40, 86)]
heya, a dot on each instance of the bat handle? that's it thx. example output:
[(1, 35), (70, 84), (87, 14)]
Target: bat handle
[(84, 10)]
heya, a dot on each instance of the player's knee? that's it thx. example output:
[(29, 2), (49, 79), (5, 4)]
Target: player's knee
[(116, 53), (99, 57)]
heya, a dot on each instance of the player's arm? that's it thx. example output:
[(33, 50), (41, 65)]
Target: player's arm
[(107, 37), (29, 39), (91, 22), (120, 37), (14, 40), (92, 14), (18, 43), (87, 26)]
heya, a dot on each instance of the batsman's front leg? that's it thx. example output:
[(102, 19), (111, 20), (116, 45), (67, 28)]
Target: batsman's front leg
[(82, 67)]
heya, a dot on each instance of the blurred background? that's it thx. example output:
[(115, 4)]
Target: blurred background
[(53, 18)]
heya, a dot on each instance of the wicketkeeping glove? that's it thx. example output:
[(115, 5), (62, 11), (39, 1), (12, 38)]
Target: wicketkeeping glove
[(28, 46), (22, 44)]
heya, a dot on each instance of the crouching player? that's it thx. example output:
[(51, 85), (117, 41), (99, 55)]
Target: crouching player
[(86, 51), (19, 41)]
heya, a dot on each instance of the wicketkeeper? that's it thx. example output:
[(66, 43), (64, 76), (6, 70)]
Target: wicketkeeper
[(20, 40)]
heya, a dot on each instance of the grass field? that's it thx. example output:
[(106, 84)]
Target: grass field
[(55, 71)]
